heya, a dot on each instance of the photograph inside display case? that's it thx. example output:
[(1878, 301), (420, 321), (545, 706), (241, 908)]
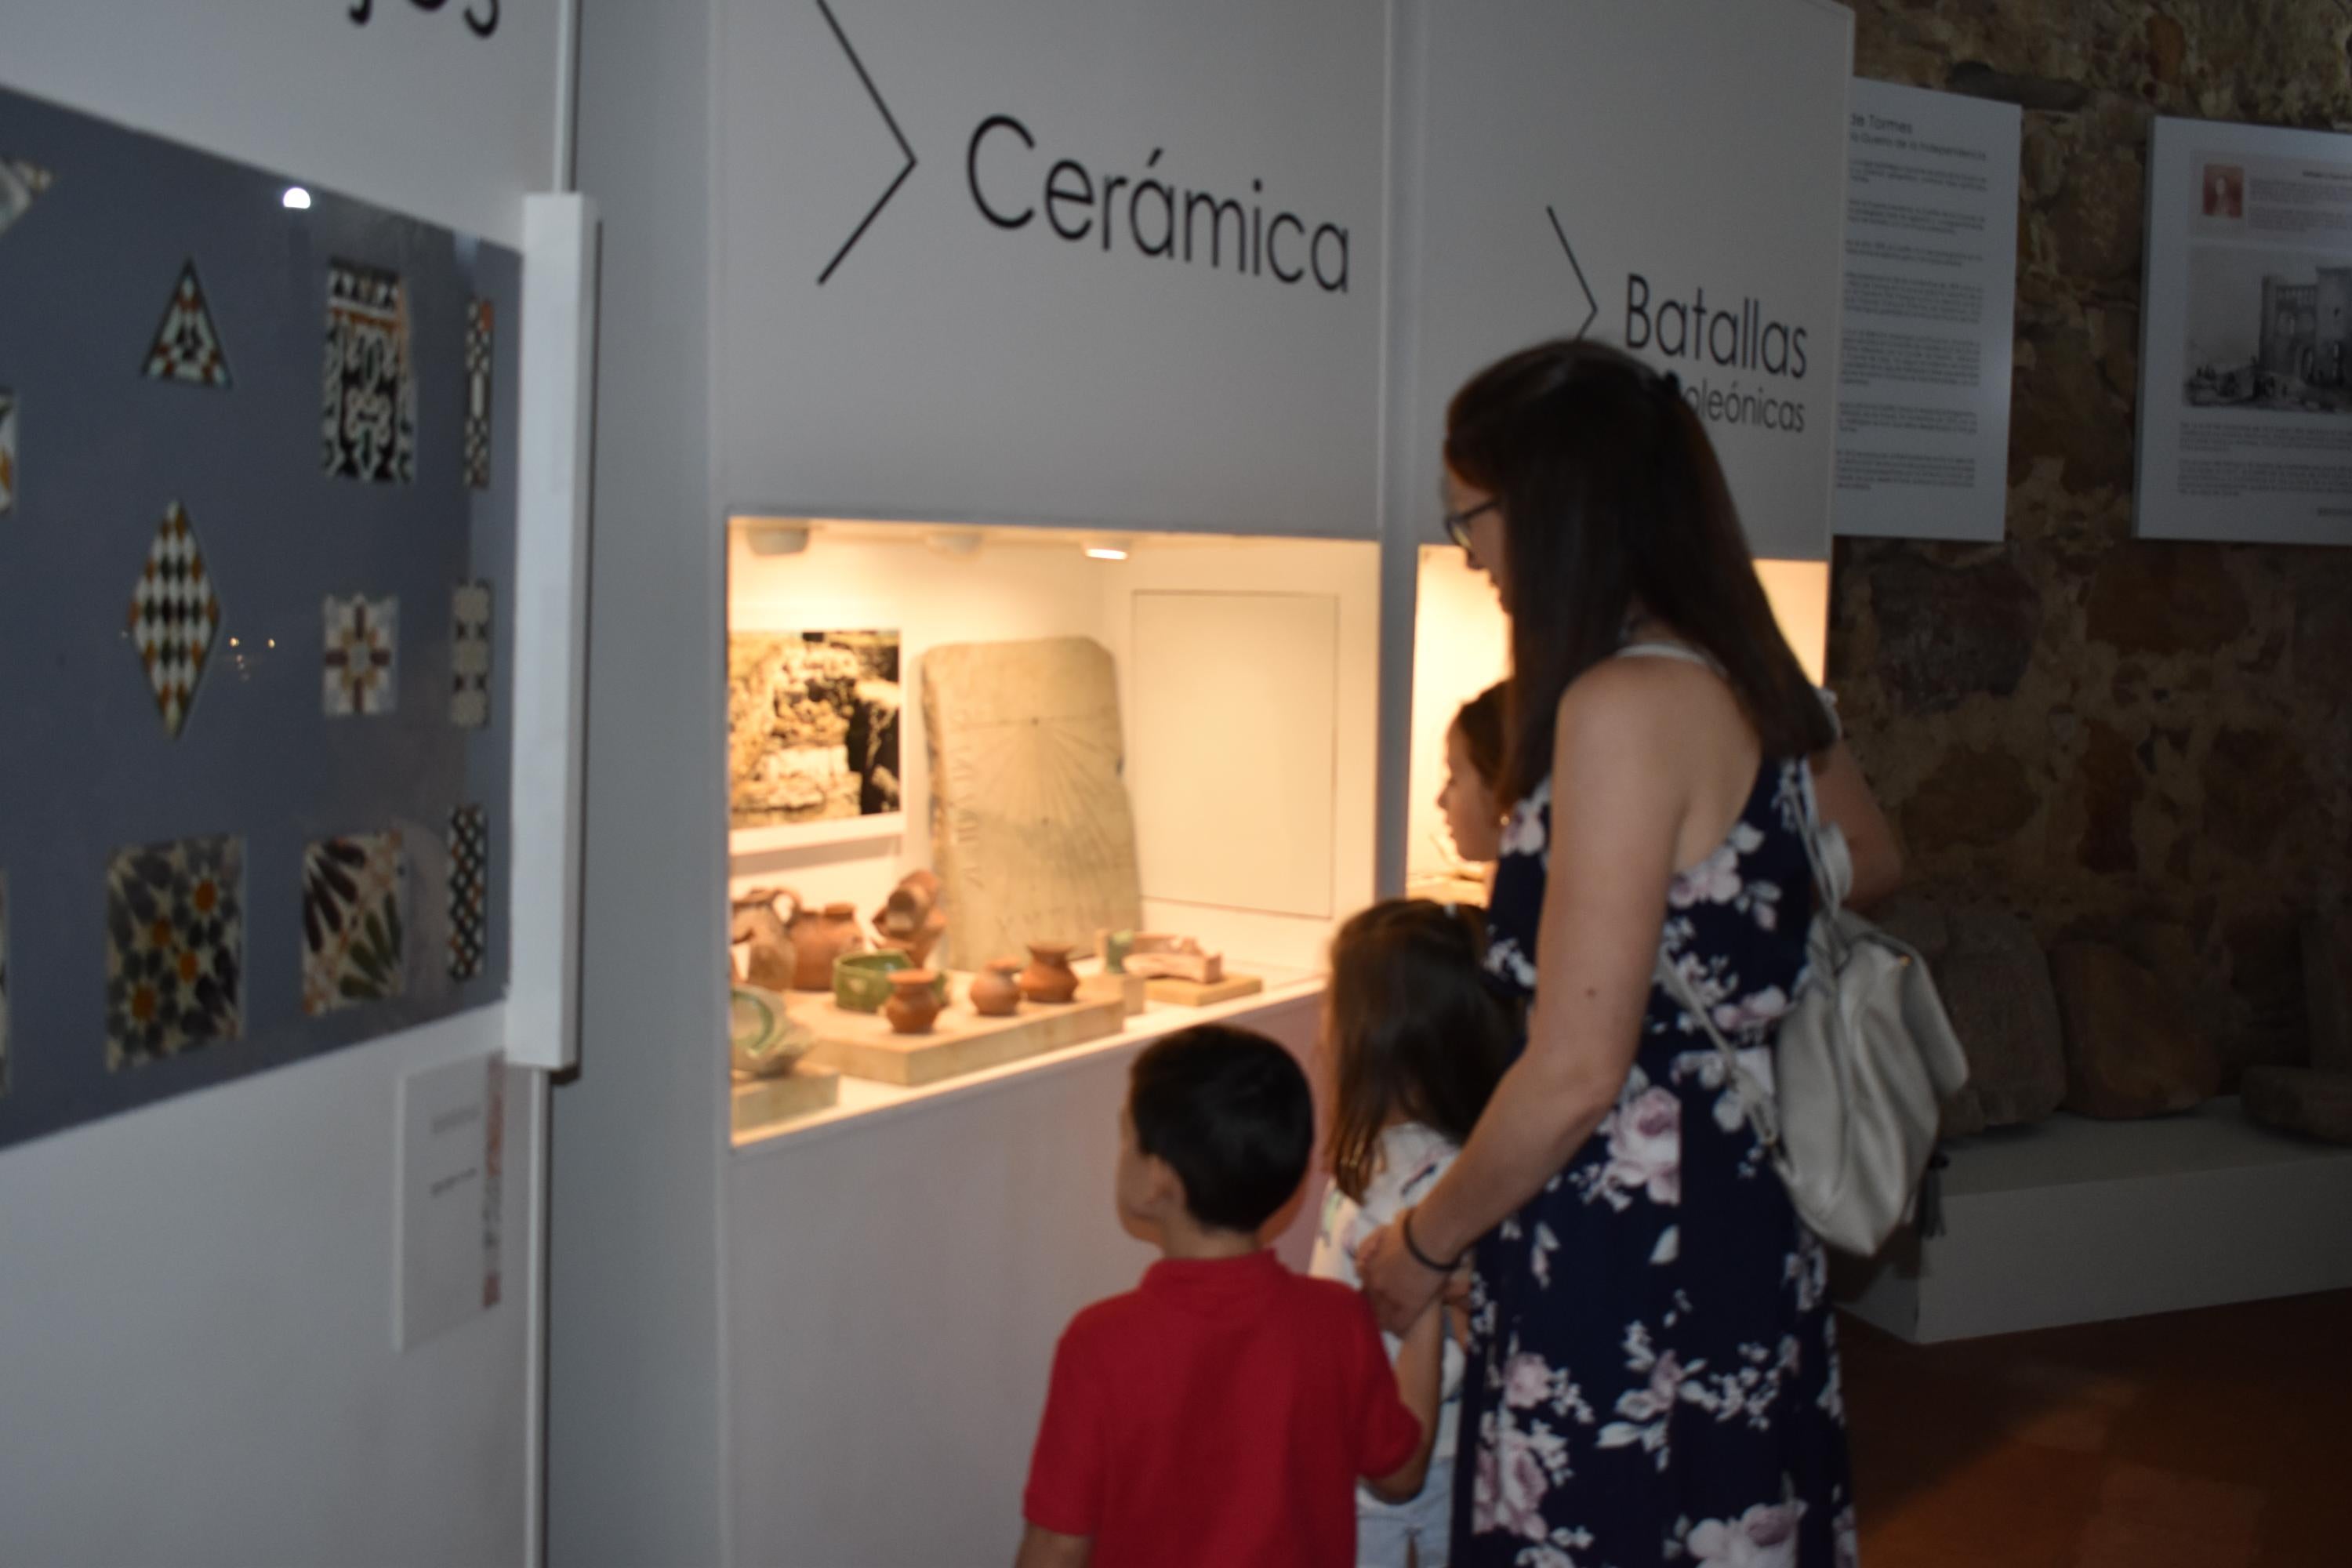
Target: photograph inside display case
[(1121, 780)]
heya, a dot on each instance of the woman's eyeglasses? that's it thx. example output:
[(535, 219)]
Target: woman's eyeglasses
[(1458, 523)]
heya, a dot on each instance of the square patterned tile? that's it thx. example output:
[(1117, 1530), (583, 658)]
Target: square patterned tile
[(360, 669), (354, 922), (174, 948), (469, 655), (174, 616), (481, 337), (470, 889), (4, 982), (7, 451), (368, 408), (20, 183), (187, 346)]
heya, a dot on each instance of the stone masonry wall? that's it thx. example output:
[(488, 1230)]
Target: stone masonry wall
[(2142, 742)]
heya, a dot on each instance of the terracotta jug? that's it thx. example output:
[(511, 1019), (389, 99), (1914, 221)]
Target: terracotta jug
[(914, 1002), (770, 960), (820, 936), (912, 919), (996, 990), (1049, 979)]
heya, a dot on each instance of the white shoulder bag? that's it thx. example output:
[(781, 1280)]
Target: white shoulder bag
[(1864, 1059)]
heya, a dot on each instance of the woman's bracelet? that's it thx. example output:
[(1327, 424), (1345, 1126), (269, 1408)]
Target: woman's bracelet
[(1404, 1229)]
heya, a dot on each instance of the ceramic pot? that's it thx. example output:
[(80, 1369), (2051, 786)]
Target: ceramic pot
[(996, 991), (759, 932), (820, 936), (763, 1041), (1049, 980), (912, 921), (861, 982), (914, 1002)]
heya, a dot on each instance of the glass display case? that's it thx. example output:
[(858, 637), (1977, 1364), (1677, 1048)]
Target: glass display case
[(998, 794), (1461, 646)]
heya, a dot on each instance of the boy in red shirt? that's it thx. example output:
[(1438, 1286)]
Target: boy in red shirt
[(1221, 1412)]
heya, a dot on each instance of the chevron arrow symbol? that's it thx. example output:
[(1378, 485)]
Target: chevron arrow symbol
[(1592, 306), (888, 119)]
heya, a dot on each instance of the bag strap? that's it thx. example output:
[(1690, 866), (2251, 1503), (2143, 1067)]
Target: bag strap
[(1762, 1114)]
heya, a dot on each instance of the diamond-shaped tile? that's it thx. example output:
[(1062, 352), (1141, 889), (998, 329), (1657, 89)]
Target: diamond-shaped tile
[(19, 182), (361, 668), (174, 616), (469, 655), (470, 889), (174, 948), (187, 345), (354, 922)]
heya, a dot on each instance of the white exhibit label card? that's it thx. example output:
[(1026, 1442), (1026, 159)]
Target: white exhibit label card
[(452, 1133), (1930, 313), (2245, 393)]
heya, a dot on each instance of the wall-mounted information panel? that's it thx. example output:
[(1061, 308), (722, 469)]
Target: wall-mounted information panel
[(1668, 175), (1052, 261), (257, 495)]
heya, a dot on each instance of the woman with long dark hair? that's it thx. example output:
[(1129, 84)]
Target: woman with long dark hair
[(1654, 1373)]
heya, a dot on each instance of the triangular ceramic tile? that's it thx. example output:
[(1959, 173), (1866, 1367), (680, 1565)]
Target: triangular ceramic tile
[(187, 345), (19, 182), (174, 615), (7, 451)]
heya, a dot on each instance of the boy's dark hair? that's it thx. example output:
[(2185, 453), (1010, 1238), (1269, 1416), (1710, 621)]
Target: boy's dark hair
[(1411, 1030), (1231, 1112)]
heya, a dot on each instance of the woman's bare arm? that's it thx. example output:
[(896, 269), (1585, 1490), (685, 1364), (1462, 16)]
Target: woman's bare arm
[(1844, 798), (1044, 1549), (1621, 775)]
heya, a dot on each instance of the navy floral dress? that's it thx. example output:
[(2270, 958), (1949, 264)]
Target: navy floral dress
[(1653, 1375)]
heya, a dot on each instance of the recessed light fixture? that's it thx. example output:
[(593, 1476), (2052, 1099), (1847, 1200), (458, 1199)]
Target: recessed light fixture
[(954, 541), (296, 199), (777, 537), (1107, 549)]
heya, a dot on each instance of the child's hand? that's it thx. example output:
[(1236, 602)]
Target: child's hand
[(1398, 1284)]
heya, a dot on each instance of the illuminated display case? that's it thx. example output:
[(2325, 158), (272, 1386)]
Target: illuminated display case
[(1076, 734)]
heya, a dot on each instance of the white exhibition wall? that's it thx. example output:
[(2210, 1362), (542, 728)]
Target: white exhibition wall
[(1051, 319), (198, 1296), (635, 1381)]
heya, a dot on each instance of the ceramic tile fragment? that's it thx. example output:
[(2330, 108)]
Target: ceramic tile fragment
[(469, 655), (354, 922), (470, 889), (480, 337), (20, 183), (4, 982), (174, 618), (7, 451), (187, 345), (368, 409), (174, 948), (361, 668)]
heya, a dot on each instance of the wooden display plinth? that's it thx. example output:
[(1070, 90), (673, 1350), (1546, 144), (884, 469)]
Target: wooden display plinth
[(762, 1103), (1129, 990), (863, 1045), (1204, 994)]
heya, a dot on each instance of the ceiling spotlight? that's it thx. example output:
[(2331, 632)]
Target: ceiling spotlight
[(1107, 549), (777, 537), (296, 199)]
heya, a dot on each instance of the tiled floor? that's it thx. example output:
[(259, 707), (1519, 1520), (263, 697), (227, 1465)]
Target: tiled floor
[(2220, 1438)]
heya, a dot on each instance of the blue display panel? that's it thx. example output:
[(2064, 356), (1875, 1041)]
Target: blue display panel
[(256, 519)]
